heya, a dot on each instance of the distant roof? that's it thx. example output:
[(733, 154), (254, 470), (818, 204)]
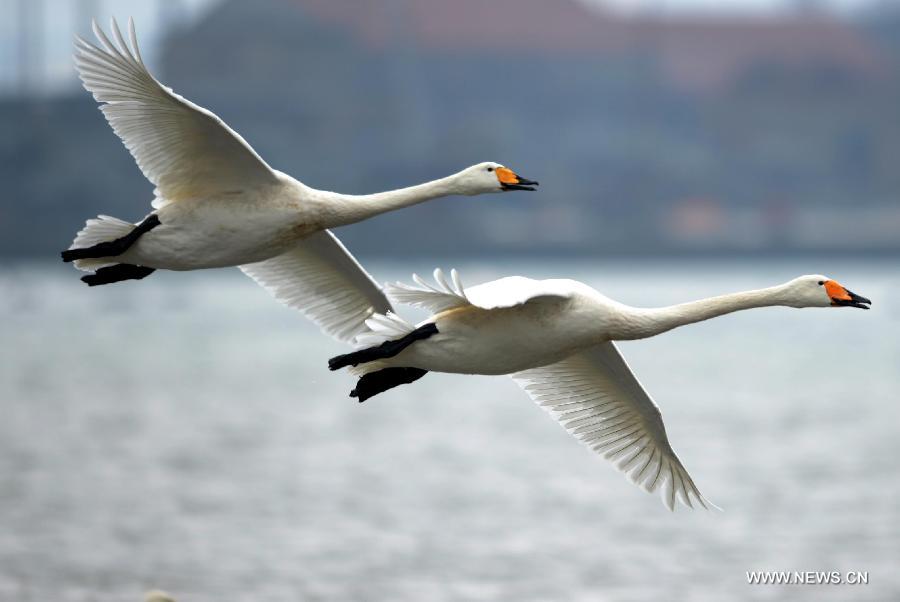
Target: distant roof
[(706, 52), (695, 51), (538, 25)]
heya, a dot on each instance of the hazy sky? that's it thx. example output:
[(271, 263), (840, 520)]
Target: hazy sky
[(61, 18)]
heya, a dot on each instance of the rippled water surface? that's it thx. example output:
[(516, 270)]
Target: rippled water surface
[(184, 433)]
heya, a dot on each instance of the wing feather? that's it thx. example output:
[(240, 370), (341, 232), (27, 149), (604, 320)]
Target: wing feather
[(183, 149), (320, 278), (597, 398), (445, 295), (433, 298)]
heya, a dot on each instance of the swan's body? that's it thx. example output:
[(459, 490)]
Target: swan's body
[(218, 203), (248, 226), (214, 233), (493, 336), (555, 337)]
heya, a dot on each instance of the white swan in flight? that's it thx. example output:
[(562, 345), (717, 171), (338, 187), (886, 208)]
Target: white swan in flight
[(219, 204), (555, 338)]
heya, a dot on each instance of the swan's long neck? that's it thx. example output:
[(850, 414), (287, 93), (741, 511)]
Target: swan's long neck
[(350, 208), (640, 323)]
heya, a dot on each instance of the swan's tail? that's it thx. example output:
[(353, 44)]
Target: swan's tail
[(388, 335), (381, 328), (102, 228)]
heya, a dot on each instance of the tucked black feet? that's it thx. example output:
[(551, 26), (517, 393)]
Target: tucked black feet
[(373, 383), (385, 350), (117, 273), (112, 248)]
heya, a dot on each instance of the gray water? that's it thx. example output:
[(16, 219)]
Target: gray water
[(184, 433)]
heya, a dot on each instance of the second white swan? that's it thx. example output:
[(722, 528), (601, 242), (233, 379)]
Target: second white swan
[(555, 338)]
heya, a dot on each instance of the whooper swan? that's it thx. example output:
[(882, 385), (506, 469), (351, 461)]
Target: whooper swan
[(555, 338), (219, 204)]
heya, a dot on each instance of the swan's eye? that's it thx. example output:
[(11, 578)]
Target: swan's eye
[(490, 169), (821, 282)]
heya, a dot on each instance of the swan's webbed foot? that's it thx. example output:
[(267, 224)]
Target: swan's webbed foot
[(112, 248), (385, 350), (373, 383), (117, 273)]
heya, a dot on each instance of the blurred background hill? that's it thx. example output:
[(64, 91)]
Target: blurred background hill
[(652, 131)]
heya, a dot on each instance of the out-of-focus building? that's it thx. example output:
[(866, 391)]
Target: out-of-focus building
[(649, 134), (697, 53)]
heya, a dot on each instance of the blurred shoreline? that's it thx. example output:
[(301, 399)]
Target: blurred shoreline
[(524, 256), (651, 134)]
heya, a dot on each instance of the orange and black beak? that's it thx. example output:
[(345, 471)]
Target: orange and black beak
[(510, 181), (841, 297)]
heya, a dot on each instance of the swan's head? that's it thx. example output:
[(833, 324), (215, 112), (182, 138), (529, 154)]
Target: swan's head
[(491, 177), (816, 290)]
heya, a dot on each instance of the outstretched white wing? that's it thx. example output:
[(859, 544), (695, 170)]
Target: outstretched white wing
[(320, 278), (441, 296), (183, 149), (505, 292), (597, 398)]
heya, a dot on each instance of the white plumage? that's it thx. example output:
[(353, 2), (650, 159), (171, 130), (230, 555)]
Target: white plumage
[(555, 338), (438, 298), (186, 151), (219, 204), (324, 282), (597, 398), (95, 231)]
